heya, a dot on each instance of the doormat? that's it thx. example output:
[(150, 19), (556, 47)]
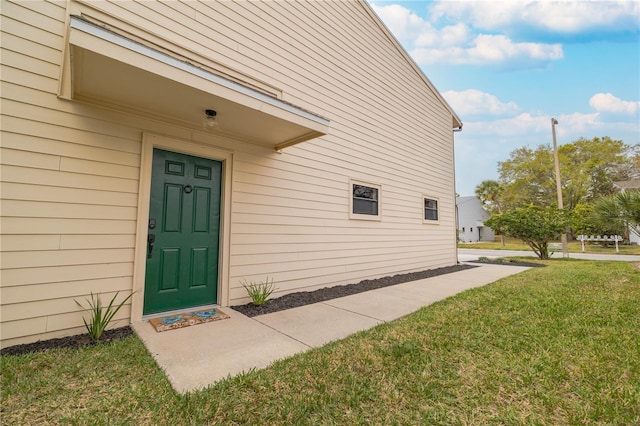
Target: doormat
[(188, 318)]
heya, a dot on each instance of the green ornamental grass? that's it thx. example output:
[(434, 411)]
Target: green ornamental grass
[(259, 292), (100, 317)]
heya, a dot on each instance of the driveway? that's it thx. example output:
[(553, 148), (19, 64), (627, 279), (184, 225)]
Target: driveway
[(468, 255)]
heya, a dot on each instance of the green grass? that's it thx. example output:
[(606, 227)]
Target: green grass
[(550, 346), (574, 247)]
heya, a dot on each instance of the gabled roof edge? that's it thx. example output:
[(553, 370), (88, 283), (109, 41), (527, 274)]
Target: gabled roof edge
[(457, 123)]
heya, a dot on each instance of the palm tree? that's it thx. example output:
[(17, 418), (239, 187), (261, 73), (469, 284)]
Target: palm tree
[(489, 191), (621, 210)]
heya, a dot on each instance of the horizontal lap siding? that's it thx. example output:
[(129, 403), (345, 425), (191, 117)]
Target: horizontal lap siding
[(69, 187), (70, 171), (388, 130)]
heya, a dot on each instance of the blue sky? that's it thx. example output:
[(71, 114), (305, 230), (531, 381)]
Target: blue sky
[(507, 67)]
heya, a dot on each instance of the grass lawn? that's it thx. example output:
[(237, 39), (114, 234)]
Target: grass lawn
[(574, 247), (550, 346)]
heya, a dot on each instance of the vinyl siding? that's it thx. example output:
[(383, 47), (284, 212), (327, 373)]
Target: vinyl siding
[(69, 187), (70, 171)]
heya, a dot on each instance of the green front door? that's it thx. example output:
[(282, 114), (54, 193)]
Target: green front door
[(183, 232)]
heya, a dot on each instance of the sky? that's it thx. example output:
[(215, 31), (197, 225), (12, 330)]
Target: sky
[(507, 67)]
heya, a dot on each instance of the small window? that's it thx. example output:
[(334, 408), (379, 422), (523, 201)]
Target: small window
[(430, 206), (365, 200)]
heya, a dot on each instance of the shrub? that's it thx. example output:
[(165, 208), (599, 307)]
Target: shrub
[(259, 292), (100, 316), (534, 225)]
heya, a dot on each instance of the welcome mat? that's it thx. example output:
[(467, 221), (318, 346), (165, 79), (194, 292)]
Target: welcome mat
[(185, 320)]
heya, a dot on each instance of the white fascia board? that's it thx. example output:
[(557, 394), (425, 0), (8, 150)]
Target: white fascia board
[(80, 24)]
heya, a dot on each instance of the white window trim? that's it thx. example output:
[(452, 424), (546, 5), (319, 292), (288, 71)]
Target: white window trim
[(359, 216), (428, 221)]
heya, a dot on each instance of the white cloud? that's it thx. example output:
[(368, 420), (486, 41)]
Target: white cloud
[(606, 102), (456, 44), (579, 124), (562, 17), (405, 25), (536, 126), (472, 102), (491, 49), (447, 36), (499, 47)]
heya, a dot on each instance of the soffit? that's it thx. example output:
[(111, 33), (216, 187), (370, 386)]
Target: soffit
[(110, 69)]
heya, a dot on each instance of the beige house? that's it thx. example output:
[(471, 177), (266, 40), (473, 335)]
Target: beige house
[(175, 149)]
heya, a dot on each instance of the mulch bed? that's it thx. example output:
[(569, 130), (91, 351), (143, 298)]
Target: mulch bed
[(292, 300), (77, 341)]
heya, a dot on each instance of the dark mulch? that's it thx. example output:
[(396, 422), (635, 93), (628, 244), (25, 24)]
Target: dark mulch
[(294, 300), (288, 301), (77, 341)]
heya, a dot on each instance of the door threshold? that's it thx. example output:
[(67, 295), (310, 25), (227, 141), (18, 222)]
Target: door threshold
[(178, 311)]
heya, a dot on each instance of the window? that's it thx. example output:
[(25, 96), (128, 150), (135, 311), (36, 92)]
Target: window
[(430, 208), (365, 201)]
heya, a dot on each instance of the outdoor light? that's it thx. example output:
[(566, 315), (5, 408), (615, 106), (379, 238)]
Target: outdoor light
[(210, 121)]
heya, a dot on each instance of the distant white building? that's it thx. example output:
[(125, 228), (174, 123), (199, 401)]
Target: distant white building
[(470, 221)]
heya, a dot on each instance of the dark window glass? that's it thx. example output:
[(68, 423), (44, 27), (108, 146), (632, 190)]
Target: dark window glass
[(430, 209), (365, 200)]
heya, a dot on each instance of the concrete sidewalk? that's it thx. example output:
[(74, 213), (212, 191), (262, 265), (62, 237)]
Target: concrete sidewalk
[(198, 356)]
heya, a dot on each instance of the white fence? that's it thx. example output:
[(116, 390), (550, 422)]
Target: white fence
[(604, 238)]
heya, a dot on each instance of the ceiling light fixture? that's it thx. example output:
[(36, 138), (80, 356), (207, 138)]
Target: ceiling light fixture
[(211, 119)]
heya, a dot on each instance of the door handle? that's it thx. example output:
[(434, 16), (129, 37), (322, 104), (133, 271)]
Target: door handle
[(151, 239)]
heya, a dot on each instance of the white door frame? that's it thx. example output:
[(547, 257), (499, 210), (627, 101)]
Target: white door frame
[(149, 142)]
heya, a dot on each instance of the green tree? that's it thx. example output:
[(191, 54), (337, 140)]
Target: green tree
[(620, 212), (528, 177), (534, 225), (585, 222), (588, 168), (489, 192)]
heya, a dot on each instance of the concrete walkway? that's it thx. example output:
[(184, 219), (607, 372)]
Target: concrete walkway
[(198, 356)]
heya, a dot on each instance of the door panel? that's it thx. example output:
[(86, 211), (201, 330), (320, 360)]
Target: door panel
[(184, 218)]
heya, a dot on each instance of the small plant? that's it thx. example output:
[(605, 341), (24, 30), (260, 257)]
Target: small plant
[(100, 316), (483, 259), (259, 292)]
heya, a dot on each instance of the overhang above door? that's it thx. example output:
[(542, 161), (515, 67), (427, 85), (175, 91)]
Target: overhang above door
[(110, 69)]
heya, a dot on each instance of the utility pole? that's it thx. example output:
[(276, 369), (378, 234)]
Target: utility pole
[(563, 237)]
